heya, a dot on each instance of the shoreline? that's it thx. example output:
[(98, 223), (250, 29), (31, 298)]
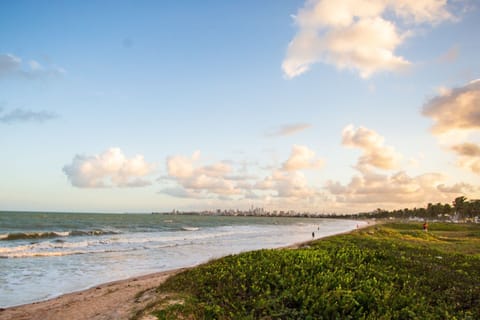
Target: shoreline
[(112, 300)]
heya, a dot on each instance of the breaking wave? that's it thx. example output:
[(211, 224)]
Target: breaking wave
[(53, 234)]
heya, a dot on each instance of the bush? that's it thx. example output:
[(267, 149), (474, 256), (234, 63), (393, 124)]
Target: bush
[(378, 273)]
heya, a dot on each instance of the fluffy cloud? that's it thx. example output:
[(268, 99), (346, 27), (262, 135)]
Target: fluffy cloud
[(456, 113), (369, 189), (180, 166), (399, 189), (455, 109), (457, 188), (289, 129), (11, 65), (470, 163), (356, 34), (302, 158), (109, 169), (467, 149), (375, 153), (221, 180), (421, 11), (196, 181), (287, 184), (21, 115)]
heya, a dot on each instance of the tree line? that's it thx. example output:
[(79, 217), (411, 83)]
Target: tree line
[(460, 209)]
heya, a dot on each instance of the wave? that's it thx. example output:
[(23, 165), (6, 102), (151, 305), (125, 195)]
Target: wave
[(53, 234), (190, 228), (16, 254), (39, 254)]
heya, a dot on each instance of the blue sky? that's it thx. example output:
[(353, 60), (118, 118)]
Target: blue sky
[(323, 106)]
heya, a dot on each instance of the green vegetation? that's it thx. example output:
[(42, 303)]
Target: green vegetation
[(391, 271)]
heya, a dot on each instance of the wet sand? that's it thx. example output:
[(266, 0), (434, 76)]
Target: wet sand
[(114, 300)]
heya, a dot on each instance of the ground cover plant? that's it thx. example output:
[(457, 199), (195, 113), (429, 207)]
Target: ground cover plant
[(390, 271)]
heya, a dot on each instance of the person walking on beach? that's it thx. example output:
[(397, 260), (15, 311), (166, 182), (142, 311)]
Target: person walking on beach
[(313, 235)]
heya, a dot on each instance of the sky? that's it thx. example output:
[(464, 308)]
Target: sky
[(321, 105)]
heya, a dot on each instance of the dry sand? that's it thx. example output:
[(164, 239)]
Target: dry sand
[(114, 300)]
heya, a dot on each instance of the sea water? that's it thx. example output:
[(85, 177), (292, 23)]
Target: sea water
[(44, 255)]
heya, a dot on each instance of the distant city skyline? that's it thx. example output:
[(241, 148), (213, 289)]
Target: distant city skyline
[(312, 106)]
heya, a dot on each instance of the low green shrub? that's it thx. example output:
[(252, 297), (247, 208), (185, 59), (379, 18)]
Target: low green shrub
[(382, 272)]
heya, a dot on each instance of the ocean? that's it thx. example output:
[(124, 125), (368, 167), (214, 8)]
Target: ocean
[(44, 255)]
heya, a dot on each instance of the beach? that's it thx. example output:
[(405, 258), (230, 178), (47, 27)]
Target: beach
[(46, 255), (114, 300)]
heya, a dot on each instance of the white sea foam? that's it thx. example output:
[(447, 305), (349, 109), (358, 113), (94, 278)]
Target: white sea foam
[(190, 228)]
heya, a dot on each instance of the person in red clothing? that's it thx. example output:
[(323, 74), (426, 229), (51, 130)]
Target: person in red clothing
[(425, 226)]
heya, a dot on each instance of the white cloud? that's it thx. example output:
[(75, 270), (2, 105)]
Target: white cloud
[(286, 187), (361, 35), (287, 184), (11, 65), (302, 158), (198, 181), (422, 11), (369, 189), (470, 163), (109, 169), (180, 166), (367, 46), (221, 180), (372, 190), (375, 153)]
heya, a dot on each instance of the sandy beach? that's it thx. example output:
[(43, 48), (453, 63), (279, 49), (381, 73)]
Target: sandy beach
[(114, 300)]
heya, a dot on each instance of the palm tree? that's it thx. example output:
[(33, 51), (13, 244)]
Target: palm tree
[(459, 204)]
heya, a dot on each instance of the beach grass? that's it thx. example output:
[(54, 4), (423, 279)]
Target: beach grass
[(387, 271)]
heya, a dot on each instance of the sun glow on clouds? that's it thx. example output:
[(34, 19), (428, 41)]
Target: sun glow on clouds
[(288, 185), (109, 169), (302, 158), (371, 187), (455, 109), (360, 35), (222, 181), (375, 153), (197, 181), (284, 186), (456, 112), (393, 190)]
